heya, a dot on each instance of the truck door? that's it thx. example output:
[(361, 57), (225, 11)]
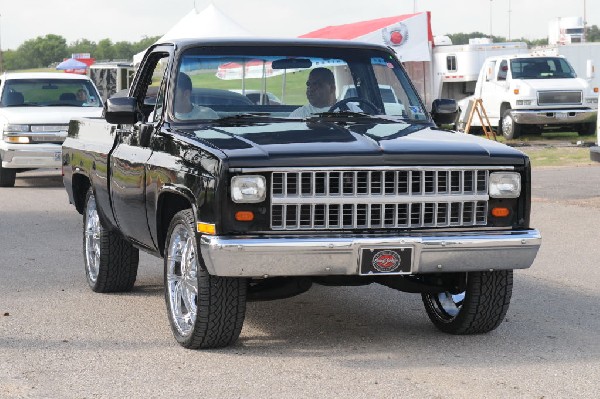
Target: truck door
[(496, 88), (129, 158)]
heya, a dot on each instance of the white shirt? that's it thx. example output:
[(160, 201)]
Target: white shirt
[(197, 112), (307, 110)]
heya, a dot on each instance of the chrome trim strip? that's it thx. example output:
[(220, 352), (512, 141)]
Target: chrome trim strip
[(382, 199), (298, 255), (368, 168)]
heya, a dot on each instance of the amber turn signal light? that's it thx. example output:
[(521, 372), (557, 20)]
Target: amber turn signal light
[(500, 212), (516, 91), (244, 216)]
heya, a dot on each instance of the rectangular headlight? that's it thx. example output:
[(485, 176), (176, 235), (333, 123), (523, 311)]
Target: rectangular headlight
[(505, 185), (523, 102), (248, 189), (12, 128)]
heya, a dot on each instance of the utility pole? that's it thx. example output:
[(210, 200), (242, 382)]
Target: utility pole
[(491, 19), (584, 23), (509, 11), (1, 60)]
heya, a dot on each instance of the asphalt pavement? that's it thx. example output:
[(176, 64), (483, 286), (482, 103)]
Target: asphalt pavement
[(58, 339)]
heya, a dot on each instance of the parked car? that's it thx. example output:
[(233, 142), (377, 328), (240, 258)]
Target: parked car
[(35, 110)]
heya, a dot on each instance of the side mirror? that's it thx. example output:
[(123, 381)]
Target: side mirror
[(121, 110), (444, 111)]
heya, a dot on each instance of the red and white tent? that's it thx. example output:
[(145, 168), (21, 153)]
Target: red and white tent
[(409, 35)]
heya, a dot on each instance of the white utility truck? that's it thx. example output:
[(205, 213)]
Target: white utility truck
[(525, 92)]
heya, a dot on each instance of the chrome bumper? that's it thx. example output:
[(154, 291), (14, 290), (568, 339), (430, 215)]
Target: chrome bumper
[(254, 256), (31, 155), (554, 116)]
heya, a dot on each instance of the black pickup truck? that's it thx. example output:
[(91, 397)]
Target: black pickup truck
[(247, 199)]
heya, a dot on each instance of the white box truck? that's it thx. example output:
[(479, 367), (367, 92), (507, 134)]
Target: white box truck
[(534, 92)]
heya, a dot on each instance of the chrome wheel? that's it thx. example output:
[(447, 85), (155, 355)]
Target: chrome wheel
[(182, 280), (479, 308), (92, 239), (507, 126), (448, 305)]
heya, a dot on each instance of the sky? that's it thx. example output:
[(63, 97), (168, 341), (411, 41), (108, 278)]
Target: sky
[(132, 20)]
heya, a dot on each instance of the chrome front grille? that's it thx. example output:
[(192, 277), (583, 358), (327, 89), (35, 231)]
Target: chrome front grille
[(376, 199), (559, 97)]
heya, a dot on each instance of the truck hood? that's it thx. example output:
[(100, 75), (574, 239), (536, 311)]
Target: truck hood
[(294, 143), (554, 84), (46, 115)]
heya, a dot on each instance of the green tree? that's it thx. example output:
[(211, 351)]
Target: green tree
[(122, 51), (104, 50), (42, 51), (82, 46), (592, 34)]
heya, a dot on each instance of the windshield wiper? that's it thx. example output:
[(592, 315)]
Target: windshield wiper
[(244, 115)]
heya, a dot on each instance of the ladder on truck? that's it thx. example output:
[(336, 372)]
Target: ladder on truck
[(476, 107)]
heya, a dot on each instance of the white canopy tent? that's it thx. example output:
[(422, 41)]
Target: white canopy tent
[(210, 22)]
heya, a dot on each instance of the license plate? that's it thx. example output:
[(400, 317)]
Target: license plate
[(561, 115), (57, 155), (385, 261)]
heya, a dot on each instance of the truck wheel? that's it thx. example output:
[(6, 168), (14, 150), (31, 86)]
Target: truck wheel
[(111, 263), (587, 129), (7, 176), (204, 311), (479, 309), (510, 129)]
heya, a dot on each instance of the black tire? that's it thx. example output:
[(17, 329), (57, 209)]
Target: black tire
[(587, 129), (204, 311), (479, 309), (111, 263), (7, 176), (508, 127)]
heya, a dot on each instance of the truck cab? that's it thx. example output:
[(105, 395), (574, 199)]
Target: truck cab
[(522, 92)]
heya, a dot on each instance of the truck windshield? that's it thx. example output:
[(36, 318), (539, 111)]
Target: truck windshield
[(292, 82), (49, 92), (541, 68)]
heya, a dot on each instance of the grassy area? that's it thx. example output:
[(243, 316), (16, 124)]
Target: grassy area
[(295, 85), (558, 156), (554, 148)]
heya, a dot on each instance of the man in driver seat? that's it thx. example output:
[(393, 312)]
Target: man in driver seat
[(320, 92)]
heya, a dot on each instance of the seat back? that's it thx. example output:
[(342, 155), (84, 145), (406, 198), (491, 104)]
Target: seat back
[(14, 98), (67, 97)]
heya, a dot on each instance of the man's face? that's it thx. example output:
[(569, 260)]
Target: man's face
[(318, 92)]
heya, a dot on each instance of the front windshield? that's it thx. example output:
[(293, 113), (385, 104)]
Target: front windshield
[(49, 92), (291, 82), (541, 68)]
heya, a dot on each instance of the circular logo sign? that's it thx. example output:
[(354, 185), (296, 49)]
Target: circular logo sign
[(386, 261), (395, 35)]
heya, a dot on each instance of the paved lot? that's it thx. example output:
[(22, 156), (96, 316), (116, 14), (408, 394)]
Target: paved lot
[(58, 339)]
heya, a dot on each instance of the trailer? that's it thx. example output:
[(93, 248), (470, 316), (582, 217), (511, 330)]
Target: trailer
[(111, 77), (455, 68)]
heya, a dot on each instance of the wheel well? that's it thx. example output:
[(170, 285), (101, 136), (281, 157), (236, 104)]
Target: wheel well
[(81, 185), (168, 205), (504, 107)]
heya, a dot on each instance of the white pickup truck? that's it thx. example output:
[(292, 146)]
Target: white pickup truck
[(35, 110), (534, 92)]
